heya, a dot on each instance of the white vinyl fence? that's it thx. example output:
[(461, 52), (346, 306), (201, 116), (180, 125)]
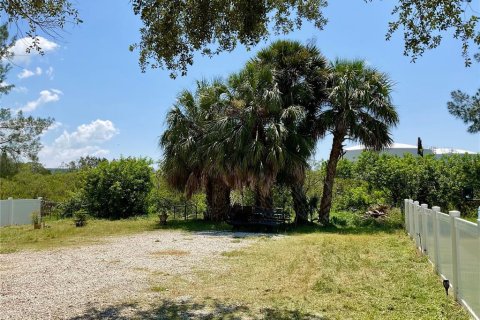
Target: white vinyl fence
[(18, 211), (452, 245)]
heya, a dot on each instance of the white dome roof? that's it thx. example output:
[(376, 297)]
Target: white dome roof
[(450, 151), (396, 145), (393, 146)]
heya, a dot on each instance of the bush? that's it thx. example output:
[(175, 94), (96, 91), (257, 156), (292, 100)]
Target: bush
[(76, 202), (118, 189), (80, 217), (359, 198), (387, 179)]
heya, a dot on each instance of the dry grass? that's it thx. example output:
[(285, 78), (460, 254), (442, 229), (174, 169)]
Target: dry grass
[(327, 276), (367, 271)]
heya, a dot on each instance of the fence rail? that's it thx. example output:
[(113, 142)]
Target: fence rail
[(452, 245)]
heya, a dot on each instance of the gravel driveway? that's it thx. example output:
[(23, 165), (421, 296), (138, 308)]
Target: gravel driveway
[(63, 283)]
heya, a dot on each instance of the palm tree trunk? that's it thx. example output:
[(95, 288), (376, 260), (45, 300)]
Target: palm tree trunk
[(208, 192), (263, 200), (326, 203), (300, 204), (218, 200)]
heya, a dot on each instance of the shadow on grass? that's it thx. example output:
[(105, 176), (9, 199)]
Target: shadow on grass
[(170, 309), (338, 225)]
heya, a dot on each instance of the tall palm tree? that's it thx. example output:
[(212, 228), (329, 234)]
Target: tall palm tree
[(258, 137), (184, 161), (360, 109), (245, 143), (300, 73)]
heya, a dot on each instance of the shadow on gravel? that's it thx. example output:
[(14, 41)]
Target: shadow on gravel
[(169, 309)]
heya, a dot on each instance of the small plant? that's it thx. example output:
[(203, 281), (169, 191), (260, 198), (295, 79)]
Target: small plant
[(80, 217), (36, 220), (162, 206)]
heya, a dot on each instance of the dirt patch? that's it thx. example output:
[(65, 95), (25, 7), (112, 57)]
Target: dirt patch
[(170, 253), (63, 283)]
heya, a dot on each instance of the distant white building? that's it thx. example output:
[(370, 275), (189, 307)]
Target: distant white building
[(399, 149)]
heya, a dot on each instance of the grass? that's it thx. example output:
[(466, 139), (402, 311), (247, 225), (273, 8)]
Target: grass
[(370, 272), (59, 233), (354, 269)]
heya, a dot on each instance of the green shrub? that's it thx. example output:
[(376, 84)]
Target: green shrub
[(359, 198), (76, 202), (118, 189), (80, 217)]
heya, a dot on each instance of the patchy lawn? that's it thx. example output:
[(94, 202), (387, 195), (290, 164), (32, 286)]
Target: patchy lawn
[(353, 270), (59, 233)]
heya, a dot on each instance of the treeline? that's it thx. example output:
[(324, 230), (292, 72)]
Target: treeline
[(129, 186), (386, 179), (104, 189)]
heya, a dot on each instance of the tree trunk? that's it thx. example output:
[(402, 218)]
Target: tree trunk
[(218, 200), (263, 200), (326, 203), (208, 192), (300, 203)]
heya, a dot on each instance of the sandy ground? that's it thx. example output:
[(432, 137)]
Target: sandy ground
[(64, 283)]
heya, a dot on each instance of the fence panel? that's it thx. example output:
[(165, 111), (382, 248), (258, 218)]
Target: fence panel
[(469, 264), (452, 245), (445, 245), (5, 212), (429, 239), (18, 211)]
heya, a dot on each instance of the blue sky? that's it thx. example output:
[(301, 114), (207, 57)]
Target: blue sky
[(103, 105)]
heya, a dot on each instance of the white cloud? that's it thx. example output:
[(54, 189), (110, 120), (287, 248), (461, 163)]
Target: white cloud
[(20, 89), (53, 157), (28, 73), (97, 131), (19, 49), (85, 140), (25, 74), (49, 73), (46, 96)]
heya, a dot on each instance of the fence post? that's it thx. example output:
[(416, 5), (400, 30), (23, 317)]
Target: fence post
[(455, 262), (416, 214), (436, 262), (478, 227), (407, 221), (412, 219), (424, 227), (10, 222)]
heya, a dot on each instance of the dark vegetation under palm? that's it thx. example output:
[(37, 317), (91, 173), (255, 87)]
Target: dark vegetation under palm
[(258, 129)]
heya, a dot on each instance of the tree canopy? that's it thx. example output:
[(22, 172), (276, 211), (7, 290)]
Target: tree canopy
[(466, 108), (19, 135), (426, 22), (33, 16), (173, 31)]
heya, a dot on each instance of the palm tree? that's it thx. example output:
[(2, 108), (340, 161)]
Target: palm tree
[(300, 74), (184, 162), (268, 129), (245, 143), (360, 109)]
